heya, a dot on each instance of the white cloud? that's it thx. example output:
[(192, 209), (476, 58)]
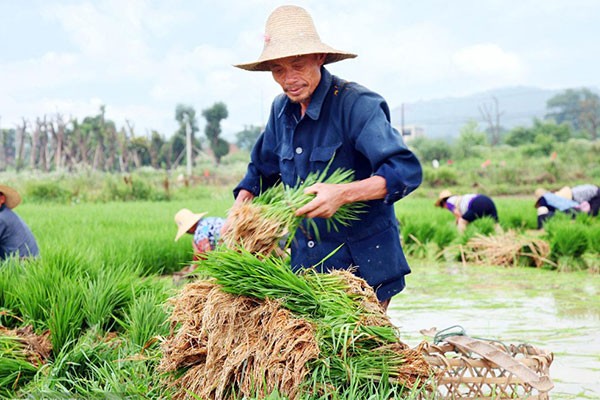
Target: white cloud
[(488, 60)]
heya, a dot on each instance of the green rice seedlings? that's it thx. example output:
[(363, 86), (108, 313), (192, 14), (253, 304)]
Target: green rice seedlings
[(106, 293), (145, 318), (17, 367), (350, 335), (260, 224), (65, 316)]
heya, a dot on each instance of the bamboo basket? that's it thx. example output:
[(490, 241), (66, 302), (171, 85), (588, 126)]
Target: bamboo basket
[(462, 374)]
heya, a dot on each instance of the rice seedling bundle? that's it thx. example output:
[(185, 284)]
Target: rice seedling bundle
[(252, 326), (260, 224), (22, 353), (506, 249)]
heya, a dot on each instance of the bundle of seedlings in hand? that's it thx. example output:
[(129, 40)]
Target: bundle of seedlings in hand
[(356, 347), (260, 224)]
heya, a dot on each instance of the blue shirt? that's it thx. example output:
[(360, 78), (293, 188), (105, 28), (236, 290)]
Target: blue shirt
[(351, 125), (15, 237)]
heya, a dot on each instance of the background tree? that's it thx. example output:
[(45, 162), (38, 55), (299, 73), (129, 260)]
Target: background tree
[(186, 117), (214, 115), (431, 149), (578, 107), (469, 139), (491, 114), (246, 138)]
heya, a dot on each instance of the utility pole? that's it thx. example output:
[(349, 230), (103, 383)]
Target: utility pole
[(402, 119), (188, 148)]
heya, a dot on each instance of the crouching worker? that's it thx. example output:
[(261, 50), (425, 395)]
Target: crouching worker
[(586, 195), (16, 239), (206, 231), (467, 208), (548, 204)]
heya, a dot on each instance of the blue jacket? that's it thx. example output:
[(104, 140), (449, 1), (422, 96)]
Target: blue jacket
[(16, 238), (351, 125)]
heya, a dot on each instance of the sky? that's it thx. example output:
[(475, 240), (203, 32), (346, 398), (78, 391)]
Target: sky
[(142, 58)]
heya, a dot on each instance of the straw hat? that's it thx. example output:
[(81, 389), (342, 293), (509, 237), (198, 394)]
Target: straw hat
[(185, 219), (12, 196), (444, 194), (290, 31), (539, 192), (565, 192)]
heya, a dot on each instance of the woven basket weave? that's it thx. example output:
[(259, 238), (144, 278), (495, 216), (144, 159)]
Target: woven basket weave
[(465, 375)]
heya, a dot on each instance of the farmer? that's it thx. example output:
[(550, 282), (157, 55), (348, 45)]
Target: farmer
[(322, 121), (586, 195), (16, 238), (206, 230), (467, 208), (549, 203)]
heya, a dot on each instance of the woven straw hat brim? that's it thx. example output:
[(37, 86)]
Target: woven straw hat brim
[(263, 63), (565, 192), (290, 31), (185, 219), (444, 194), (13, 198)]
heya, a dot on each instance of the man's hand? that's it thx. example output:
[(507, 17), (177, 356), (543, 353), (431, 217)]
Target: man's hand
[(241, 198), (328, 199)]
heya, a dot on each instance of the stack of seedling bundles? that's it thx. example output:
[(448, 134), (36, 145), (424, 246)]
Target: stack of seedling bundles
[(249, 327)]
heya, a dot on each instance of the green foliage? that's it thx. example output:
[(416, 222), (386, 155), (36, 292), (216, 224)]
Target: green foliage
[(145, 318), (470, 142), (65, 319), (594, 239), (16, 370), (47, 191), (580, 108), (485, 226), (280, 202), (106, 293), (416, 234), (567, 238), (440, 177), (214, 115), (352, 355), (246, 138), (444, 235), (431, 149)]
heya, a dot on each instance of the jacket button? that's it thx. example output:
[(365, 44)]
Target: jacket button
[(310, 244), (298, 150)]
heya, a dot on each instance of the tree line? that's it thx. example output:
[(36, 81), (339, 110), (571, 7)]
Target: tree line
[(572, 114), (58, 143)]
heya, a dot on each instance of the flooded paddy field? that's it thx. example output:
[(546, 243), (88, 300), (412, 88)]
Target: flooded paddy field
[(557, 312)]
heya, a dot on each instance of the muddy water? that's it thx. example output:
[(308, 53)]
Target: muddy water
[(557, 312)]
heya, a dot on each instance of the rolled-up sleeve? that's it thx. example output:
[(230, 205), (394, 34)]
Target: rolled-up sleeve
[(263, 169), (384, 147)]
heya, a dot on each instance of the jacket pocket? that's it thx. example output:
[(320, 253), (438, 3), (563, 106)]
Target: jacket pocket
[(286, 164), (324, 153)]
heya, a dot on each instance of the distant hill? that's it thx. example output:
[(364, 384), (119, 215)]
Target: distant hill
[(443, 118)]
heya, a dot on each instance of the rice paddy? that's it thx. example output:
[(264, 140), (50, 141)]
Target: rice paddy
[(103, 284)]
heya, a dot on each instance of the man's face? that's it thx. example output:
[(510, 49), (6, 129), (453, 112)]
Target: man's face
[(298, 76), (2, 198)]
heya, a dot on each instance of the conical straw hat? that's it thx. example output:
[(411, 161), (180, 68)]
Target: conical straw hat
[(185, 219), (12, 196), (290, 31), (565, 192), (444, 194)]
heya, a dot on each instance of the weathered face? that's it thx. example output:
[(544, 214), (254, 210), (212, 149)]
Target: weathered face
[(2, 198), (298, 76)]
